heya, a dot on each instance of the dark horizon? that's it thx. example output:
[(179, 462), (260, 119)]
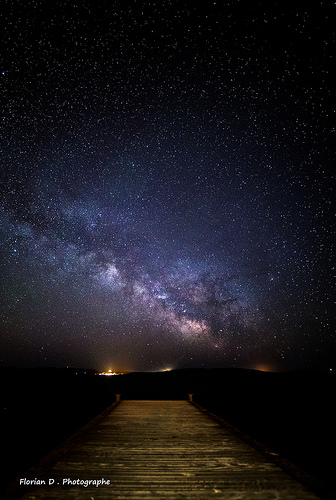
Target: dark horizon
[(167, 184), (93, 371)]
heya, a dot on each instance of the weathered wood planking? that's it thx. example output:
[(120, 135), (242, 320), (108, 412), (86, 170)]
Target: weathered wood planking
[(165, 450)]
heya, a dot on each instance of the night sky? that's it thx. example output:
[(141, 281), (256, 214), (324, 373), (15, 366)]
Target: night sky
[(167, 184)]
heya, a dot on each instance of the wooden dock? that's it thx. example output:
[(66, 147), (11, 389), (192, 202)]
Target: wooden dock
[(161, 450)]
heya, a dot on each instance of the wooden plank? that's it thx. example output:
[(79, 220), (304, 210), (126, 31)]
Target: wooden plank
[(163, 450)]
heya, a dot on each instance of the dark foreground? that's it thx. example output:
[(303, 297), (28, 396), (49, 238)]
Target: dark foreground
[(291, 413)]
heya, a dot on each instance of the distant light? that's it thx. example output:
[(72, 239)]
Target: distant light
[(263, 368), (108, 374)]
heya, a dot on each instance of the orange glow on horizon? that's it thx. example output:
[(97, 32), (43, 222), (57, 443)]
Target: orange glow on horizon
[(109, 373), (263, 368)]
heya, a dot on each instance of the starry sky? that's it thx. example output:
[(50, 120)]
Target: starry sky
[(167, 184)]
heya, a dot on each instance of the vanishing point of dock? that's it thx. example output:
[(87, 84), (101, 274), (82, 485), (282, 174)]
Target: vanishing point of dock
[(161, 450)]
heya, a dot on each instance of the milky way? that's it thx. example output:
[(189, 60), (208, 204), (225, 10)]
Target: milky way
[(167, 184)]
